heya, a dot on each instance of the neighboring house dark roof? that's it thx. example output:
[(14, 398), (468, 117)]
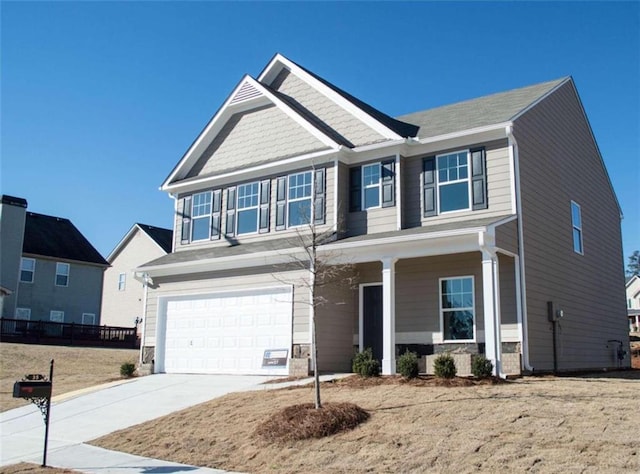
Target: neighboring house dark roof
[(401, 127), (483, 111), (162, 237), (57, 237), (14, 201)]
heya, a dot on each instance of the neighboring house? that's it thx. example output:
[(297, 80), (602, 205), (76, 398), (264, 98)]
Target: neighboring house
[(633, 303), (122, 294), (50, 268), (486, 226)]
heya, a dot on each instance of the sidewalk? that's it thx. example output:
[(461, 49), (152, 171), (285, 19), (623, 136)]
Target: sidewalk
[(82, 416)]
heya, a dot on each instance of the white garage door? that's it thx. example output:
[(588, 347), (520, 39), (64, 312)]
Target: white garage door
[(228, 333)]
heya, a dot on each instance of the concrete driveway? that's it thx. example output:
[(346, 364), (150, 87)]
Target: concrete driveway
[(96, 413)]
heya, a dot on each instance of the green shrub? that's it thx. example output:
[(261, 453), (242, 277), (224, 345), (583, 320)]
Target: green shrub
[(407, 365), (481, 367), (444, 366), (365, 365), (127, 369)]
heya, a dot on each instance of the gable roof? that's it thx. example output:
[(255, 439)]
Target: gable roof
[(57, 237), (163, 238), (483, 111)]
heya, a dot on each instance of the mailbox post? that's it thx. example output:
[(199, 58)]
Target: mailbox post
[(37, 389)]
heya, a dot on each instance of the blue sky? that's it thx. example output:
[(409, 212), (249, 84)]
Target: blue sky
[(101, 99)]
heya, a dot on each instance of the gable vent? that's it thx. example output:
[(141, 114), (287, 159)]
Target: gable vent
[(246, 92)]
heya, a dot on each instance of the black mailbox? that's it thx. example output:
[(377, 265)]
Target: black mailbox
[(32, 389)]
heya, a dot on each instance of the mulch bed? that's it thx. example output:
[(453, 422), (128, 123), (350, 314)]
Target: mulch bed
[(356, 381)]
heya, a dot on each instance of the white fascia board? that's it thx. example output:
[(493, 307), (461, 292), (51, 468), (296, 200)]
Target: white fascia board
[(506, 220), (258, 171), (457, 139), (279, 62)]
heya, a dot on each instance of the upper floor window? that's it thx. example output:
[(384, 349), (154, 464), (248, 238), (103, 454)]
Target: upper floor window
[(371, 186), (576, 222), (457, 310), (122, 281), (299, 198), (62, 274), (27, 269), (248, 208), (454, 182), (201, 216)]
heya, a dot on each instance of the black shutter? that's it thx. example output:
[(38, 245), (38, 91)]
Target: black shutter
[(319, 197), (216, 211), (355, 189), (388, 183), (429, 187), (281, 203), (264, 206), (186, 220), (231, 212), (479, 179)]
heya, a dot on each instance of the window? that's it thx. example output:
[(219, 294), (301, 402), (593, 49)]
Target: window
[(453, 181), (62, 274), (248, 208), (88, 318), (457, 309), (371, 186), (576, 222), (56, 316), (18, 326), (299, 199), (27, 270), (122, 281), (201, 216), (23, 313)]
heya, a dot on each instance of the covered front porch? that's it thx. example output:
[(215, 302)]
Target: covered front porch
[(431, 292)]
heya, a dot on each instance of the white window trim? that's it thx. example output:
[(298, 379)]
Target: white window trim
[(473, 309), (578, 228), (33, 272), (202, 217), (93, 315), (68, 274), (53, 313), (122, 281), (239, 209), (289, 200), (371, 186), (28, 314), (467, 179)]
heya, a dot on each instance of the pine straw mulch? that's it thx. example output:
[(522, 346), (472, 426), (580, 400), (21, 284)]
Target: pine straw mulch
[(304, 421), (30, 468), (356, 381)]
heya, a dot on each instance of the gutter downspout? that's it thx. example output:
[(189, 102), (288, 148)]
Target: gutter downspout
[(522, 288), (145, 286)]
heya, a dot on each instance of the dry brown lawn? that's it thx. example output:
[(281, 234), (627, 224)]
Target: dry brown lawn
[(28, 468), (74, 367), (534, 424)]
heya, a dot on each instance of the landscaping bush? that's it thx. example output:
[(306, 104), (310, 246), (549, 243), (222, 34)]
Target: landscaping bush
[(407, 365), (481, 367), (444, 367), (127, 369), (365, 365)]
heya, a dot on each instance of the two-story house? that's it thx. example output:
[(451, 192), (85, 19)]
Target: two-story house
[(52, 270), (487, 226), (633, 302), (122, 295)]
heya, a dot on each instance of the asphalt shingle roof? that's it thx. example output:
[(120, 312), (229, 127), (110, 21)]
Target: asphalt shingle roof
[(57, 237), (162, 237)]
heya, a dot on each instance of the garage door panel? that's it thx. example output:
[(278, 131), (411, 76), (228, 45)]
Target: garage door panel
[(227, 333)]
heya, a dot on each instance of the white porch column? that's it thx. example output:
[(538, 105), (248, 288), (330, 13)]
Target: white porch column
[(491, 305), (388, 316)]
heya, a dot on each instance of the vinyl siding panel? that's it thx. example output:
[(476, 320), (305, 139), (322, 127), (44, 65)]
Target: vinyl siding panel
[(256, 136), (229, 281), (120, 308), (498, 188), (326, 114), (507, 237), (372, 221), (559, 162)]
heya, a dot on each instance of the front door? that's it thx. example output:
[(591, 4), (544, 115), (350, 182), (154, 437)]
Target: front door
[(372, 319)]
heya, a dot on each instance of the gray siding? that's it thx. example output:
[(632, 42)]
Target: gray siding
[(507, 237), (372, 221), (82, 295), (12, 219), (559, 162), (326, 114), (229, 281), (498, 188), (256, 136)]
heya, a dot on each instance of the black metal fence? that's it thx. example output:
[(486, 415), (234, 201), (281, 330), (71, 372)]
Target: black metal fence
[(69, 334)]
